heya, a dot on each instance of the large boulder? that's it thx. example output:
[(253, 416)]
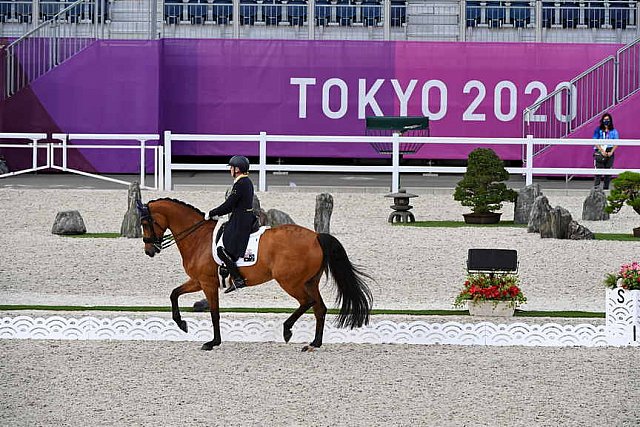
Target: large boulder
[(579, 232), (557, 224), (593, 206), (276, 218), (539, 214), (69, 223), (524, 203), (131, 223), (324, 209)]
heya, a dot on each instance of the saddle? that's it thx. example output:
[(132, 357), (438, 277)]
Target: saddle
[(251, 253)]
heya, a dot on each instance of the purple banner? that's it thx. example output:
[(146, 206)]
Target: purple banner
[(293, 87)]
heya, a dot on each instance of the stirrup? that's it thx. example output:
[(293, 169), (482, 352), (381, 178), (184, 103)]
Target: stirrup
[(235, 284)]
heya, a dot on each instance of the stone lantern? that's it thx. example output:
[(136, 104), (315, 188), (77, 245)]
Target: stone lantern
[(401, 207)]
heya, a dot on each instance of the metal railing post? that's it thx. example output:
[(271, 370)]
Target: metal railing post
[(167, 160), (395, 162), (529, 162), (142, 162), (160, 168), (262, 174)]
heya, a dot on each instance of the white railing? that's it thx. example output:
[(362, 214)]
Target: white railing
[(395, 169), (141, 147), (33, 146), (36, 145)]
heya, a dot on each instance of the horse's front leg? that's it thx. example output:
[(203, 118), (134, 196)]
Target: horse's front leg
[(211, 292), (189, 286)]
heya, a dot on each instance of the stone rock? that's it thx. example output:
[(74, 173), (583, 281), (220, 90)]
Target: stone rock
[(524, 203), (276, 218), (200, 306), (256, 204), (4, 168), (539, 214), (579, 232), (131, 223), (593, 206), (68, 223), (324, 209), (262, 217), (557, 224)]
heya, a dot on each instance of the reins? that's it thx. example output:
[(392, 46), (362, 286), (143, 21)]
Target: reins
[(170, 239), (167, 240)]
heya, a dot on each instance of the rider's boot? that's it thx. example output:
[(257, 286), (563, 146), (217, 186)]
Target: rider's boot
[(237, 281)]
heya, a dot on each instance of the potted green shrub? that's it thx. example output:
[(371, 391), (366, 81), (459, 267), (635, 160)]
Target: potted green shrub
[(482, 187), (626, 190)]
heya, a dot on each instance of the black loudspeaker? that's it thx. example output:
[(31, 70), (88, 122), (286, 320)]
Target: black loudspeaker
[(492, 260)]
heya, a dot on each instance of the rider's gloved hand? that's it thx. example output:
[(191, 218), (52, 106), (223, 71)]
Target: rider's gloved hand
[(210, 216)]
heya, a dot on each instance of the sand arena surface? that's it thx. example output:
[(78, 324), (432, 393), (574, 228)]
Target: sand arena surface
[(419, 268), (173, 383)]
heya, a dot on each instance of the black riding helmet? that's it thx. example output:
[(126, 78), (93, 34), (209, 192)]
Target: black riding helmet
[(240, 162)]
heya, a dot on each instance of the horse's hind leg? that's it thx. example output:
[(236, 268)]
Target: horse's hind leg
[(319, 311), (187, 287)]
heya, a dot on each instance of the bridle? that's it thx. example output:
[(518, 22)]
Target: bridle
[(164, 241)]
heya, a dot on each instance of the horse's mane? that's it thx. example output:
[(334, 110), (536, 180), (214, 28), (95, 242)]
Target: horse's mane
[(180, 202)]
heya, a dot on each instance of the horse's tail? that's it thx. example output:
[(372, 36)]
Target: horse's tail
[(354, 295)]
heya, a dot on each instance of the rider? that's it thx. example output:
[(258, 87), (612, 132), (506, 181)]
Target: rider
[(239, 203)]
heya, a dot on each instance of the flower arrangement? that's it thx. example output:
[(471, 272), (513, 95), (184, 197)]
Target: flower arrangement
[(491, 287), (627, 278)]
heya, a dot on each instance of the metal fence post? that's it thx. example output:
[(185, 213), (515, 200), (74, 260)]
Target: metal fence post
[(395, 162), (167, 160), (142, 162), (262, 174), (529, 165)]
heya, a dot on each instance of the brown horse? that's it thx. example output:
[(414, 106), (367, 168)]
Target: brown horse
[(294, 256)]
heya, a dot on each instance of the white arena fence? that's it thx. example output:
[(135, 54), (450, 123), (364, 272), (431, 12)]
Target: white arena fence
[(60, 142), (622, 328), (164, 166), (395, 169)]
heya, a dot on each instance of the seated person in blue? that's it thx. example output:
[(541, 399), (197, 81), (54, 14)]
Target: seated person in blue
[(603, 153), (239, 203)]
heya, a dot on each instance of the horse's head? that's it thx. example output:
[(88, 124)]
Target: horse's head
[(152, 229)]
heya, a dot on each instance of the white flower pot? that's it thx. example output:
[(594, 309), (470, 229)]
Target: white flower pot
[(491, 308)]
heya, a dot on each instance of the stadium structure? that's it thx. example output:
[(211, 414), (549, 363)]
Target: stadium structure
[(476, 69)]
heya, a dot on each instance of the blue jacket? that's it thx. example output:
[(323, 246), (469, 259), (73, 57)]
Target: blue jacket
[(600, 134)]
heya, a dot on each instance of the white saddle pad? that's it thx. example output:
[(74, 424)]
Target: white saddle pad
[(250, 255)]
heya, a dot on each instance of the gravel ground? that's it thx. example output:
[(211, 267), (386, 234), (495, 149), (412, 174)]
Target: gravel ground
[(81, 383), (419, 268)]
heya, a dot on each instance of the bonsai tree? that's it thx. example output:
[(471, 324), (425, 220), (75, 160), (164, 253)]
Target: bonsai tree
[(626, 190), (481, 187)]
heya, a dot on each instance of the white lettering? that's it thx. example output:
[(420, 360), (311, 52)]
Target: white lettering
[(403, 96), (368, 98), (497, 100), (344, 94), (469, 114), (439, 84), (303, 82)]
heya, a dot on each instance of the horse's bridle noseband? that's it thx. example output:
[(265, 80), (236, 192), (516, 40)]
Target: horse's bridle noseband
[(161, 242)]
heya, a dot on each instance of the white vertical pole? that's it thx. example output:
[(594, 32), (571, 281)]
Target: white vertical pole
[(142, 165), (64, 152), (395, 163), (262, 177), (34, 153), (529, 168), (167, 160), (160, 168)]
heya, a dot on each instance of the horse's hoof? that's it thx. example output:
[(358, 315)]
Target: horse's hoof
[(287, 334), (208, 346), (308, 348), (183, 325)]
